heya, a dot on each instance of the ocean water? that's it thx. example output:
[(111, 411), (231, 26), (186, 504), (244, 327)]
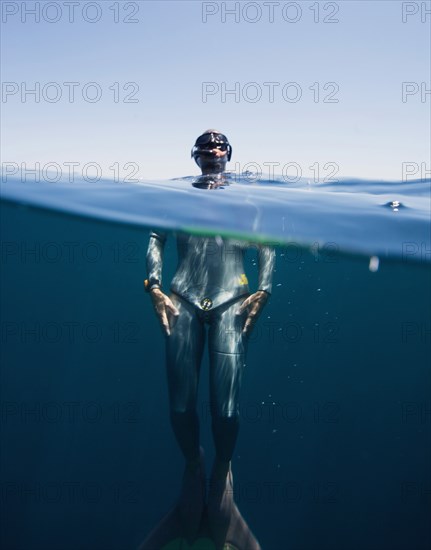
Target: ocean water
[(334, 445)]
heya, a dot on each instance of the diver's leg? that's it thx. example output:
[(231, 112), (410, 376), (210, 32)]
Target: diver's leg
[(227, 348), (184, 349)]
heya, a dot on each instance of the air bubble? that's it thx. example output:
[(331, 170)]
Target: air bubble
[(374, 264)]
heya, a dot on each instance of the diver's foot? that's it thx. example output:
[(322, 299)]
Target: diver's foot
[(220, 503), (192, 498)]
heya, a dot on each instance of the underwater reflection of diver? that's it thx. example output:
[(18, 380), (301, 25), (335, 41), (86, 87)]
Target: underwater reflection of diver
[(209, 288)]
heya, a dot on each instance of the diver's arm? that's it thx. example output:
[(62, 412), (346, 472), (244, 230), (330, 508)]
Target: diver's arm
[(155, 257), (256, 302), (162, 303), (266, 261)]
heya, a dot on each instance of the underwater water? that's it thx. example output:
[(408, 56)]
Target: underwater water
[(334, 444)]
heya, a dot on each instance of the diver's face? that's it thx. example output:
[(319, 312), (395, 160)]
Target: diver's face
[(211, 152), (212, 161)]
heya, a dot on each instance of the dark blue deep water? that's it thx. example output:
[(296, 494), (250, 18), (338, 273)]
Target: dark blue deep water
[(334, 445)]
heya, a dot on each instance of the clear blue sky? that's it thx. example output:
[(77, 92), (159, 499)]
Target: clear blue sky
[(170, 52)]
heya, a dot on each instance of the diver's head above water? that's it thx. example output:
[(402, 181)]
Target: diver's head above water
[(212, 151)]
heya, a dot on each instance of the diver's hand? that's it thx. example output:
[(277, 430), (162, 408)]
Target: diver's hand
[(255, 303), (162, 304)]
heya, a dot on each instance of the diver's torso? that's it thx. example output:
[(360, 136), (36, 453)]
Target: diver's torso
[(210, 270)]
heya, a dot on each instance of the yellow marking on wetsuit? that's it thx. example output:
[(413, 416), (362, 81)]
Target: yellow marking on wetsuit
[(243, 279)]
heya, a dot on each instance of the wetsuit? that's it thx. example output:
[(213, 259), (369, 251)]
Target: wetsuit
[(208, 287)]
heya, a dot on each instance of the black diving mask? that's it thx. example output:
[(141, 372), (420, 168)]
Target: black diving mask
[(209, 141)]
